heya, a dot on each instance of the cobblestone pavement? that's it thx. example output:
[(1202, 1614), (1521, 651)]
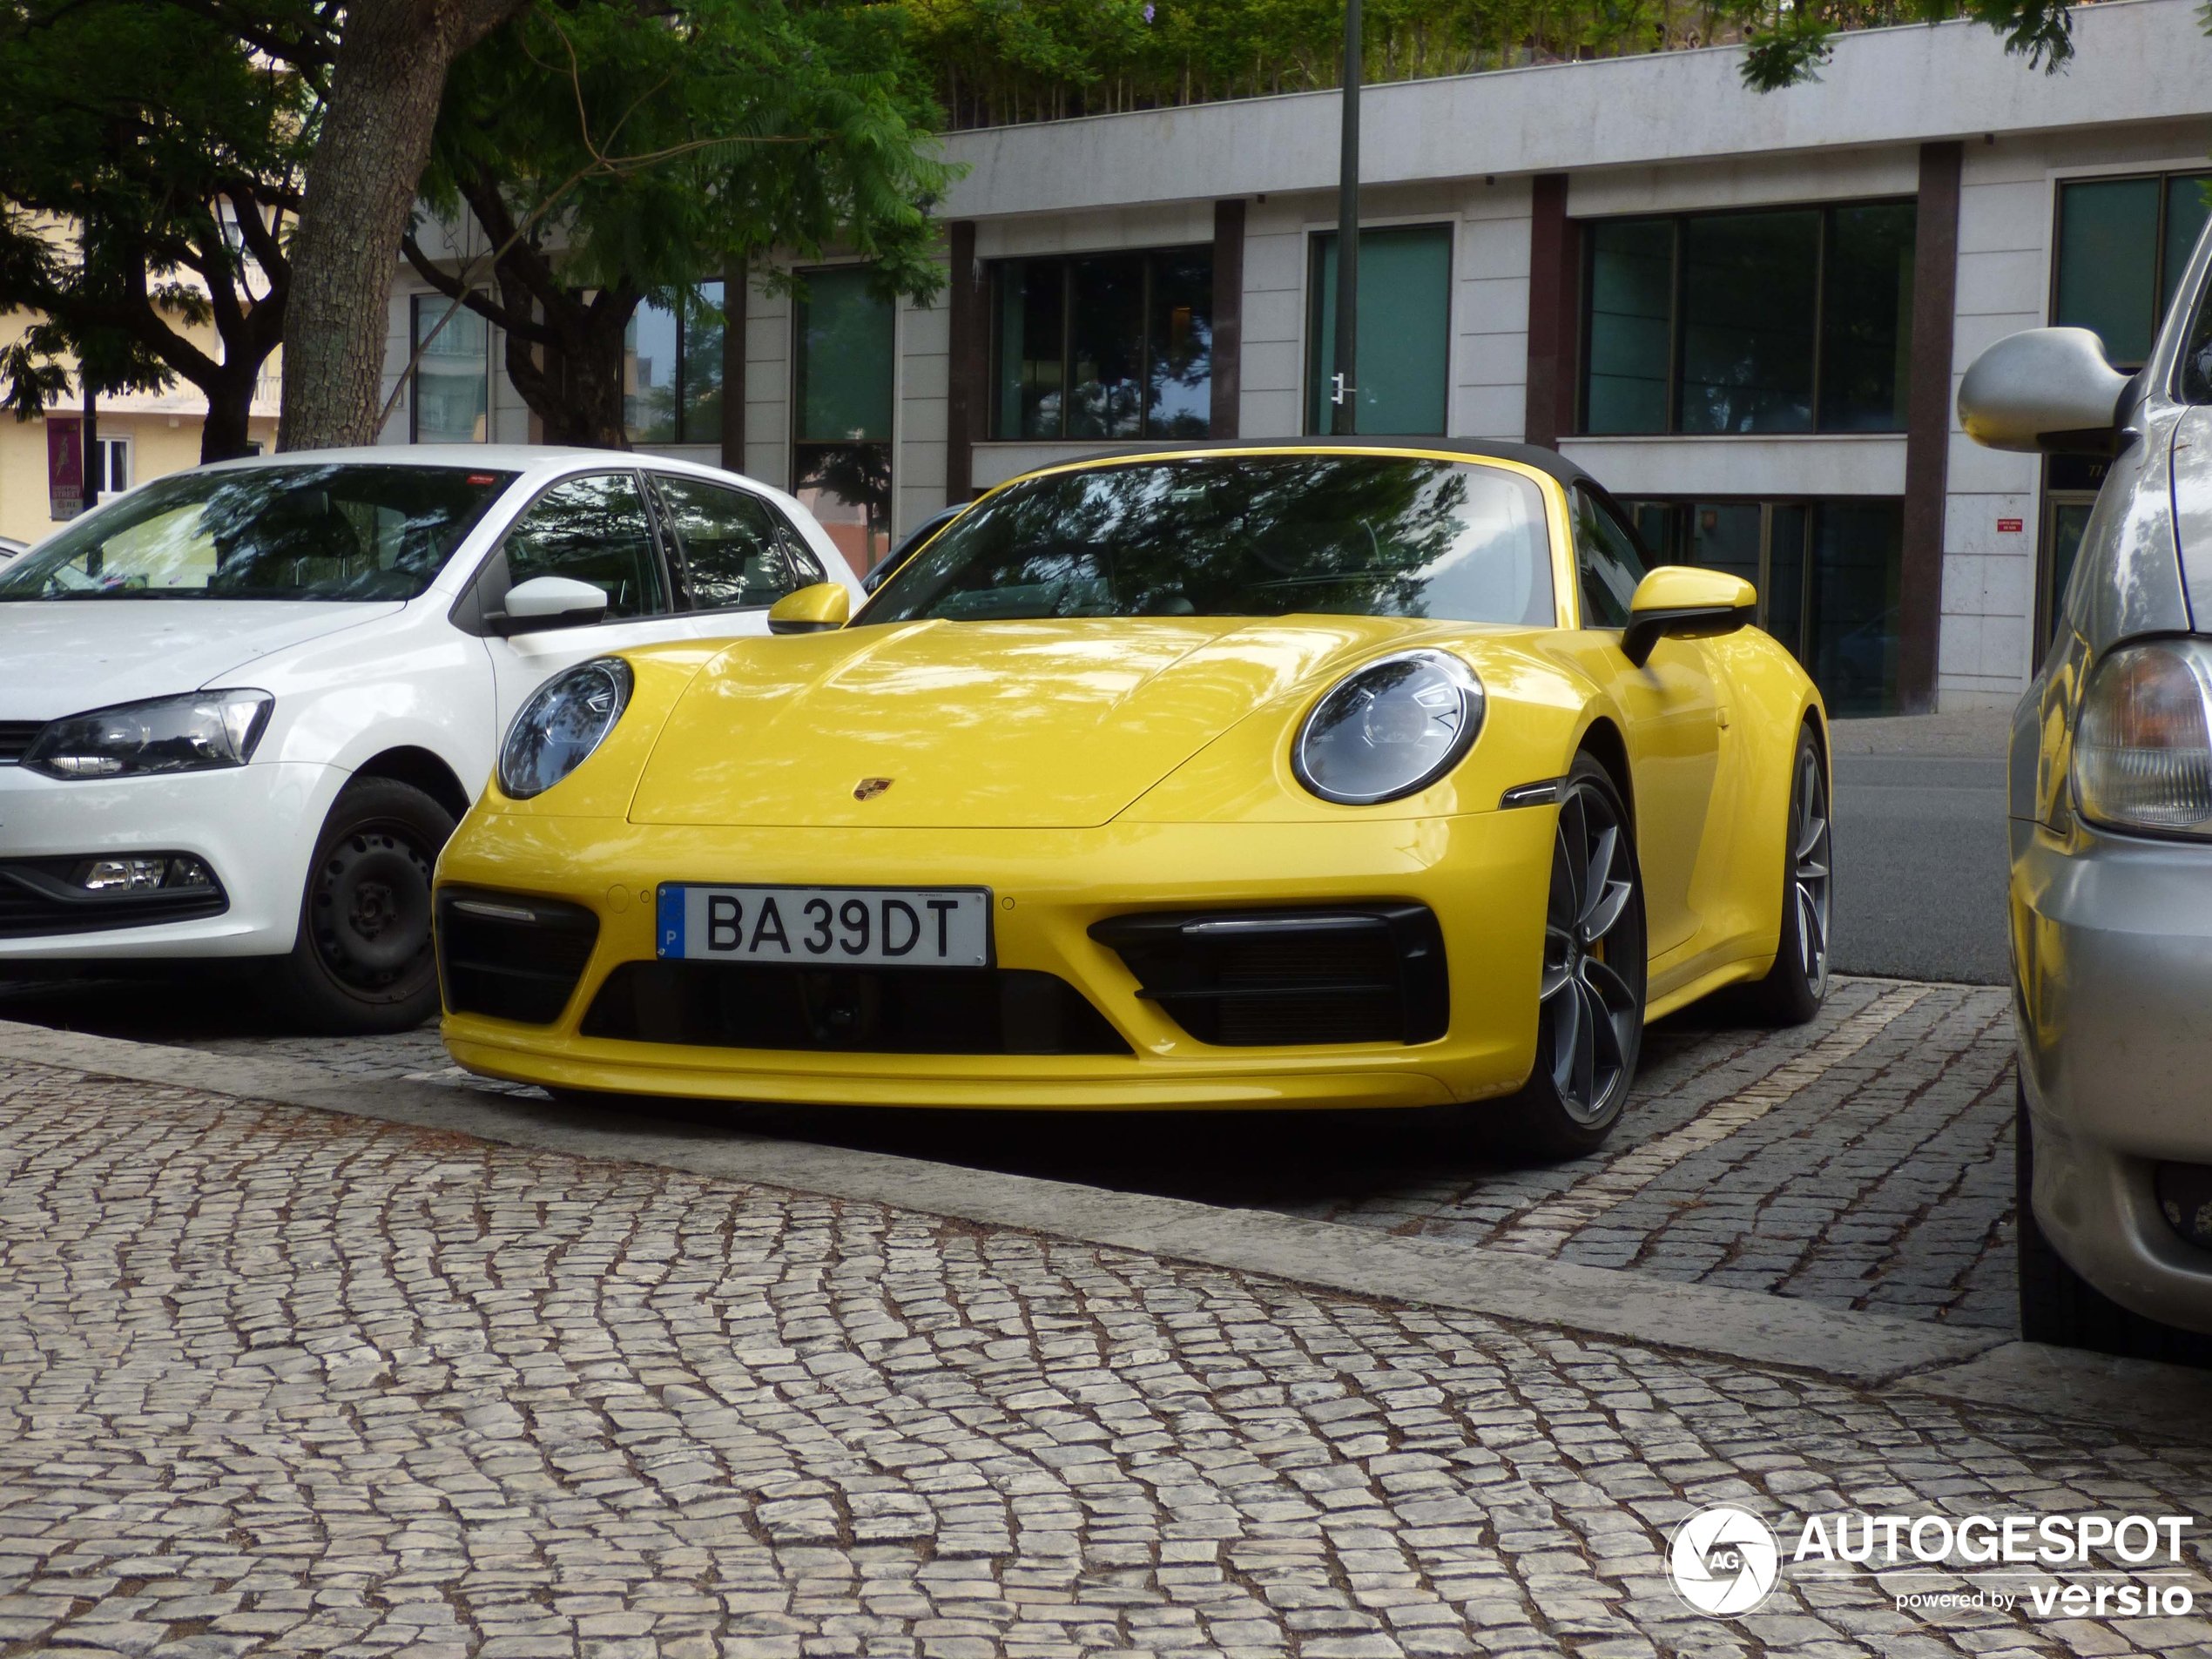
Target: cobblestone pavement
[(274, 1381), (1864, 1161)]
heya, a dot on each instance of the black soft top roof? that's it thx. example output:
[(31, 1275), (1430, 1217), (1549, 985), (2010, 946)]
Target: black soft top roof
[(1528, 455)]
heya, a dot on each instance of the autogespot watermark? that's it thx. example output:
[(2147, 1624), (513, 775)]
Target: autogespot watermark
[(1725, 1562)]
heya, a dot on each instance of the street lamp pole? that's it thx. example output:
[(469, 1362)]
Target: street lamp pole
[(1345, 392)]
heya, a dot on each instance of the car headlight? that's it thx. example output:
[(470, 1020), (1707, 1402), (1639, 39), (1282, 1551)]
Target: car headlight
[(558, 728), (2142, 745), (1393, 727), (187, 733)]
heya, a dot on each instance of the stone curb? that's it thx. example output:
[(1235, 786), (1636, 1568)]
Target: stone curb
[(1870, 1350)]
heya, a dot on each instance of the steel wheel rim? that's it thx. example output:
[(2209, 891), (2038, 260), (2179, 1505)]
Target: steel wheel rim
[(1587, 1011), (1809, 865), (370, 912)]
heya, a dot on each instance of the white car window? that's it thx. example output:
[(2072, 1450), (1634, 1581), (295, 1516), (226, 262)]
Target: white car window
[(592, 528), (368, 532), (735, 551)]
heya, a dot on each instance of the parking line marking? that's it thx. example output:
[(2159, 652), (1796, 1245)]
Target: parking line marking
[(1543, 1228)]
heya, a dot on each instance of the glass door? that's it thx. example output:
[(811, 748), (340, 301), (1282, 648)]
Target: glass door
[(1730, 536), (2070, 486), (842, 397), (2065, 516), (1854, 569), (1404, 327)]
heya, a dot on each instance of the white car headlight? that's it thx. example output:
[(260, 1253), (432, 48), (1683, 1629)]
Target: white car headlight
[(561, 725), (2142, 745), (187, 733), (1392, 727)]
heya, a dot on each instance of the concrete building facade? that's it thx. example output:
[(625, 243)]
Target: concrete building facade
[(1747, 315)]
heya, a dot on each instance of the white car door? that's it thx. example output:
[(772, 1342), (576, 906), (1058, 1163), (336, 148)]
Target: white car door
[(591, 527)]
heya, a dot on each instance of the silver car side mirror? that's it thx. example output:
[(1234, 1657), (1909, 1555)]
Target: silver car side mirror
[(2047, 390)]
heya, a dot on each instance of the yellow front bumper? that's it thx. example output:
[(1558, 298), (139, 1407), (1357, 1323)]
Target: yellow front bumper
[(1485, 875)]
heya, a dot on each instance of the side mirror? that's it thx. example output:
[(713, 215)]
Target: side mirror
[(547, 602), (2047, 390), (811, 611), (1682, 602)]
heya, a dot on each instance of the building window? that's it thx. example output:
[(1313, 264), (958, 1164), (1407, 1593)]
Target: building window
[(1827, 574), (2123, 245), (671, 370), (1104, 346), (1797, 320), (452, 399), (842, 395), (112, 467), (1405, 332)]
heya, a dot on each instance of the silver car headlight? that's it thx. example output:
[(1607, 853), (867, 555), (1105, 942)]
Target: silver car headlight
[(560, 726), (2142, 745), (188, 734), (1390, 728)]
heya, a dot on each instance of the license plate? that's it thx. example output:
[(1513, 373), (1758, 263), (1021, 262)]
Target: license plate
[(826, 927)]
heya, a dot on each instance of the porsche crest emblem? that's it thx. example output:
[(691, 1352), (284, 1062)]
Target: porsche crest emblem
[(869, 788)]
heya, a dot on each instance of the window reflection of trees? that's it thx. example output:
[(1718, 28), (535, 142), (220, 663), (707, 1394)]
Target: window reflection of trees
[(311, 532), (1259, 537), (592, 529)]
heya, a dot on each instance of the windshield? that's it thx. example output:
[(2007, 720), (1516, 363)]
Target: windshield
[(1247, 535), (275, 532)]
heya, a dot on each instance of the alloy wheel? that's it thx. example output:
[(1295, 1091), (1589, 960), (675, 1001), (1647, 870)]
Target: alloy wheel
[(1809, 862), (1587, 1009)]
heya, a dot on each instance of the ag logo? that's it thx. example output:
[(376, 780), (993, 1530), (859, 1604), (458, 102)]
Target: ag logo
[(1724, 1562)]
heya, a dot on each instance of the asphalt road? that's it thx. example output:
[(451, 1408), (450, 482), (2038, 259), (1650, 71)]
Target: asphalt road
[(1920, 859)]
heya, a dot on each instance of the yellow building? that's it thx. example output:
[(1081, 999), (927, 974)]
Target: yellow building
[(142, 435)]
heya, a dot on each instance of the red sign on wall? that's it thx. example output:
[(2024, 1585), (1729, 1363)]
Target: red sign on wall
[(65, 466), (2011, 526)]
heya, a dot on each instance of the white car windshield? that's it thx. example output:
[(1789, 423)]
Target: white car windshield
[(275, 532), (1241, 535)]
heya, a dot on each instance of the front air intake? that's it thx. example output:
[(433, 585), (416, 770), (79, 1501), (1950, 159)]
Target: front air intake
[(852, 1010), (511, 956), (1290, 978)]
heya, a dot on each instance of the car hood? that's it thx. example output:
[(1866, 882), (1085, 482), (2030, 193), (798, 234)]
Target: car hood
[(64, 656), (1011, 725)]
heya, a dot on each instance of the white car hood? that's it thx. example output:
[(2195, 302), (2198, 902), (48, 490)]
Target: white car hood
[(64, 656)]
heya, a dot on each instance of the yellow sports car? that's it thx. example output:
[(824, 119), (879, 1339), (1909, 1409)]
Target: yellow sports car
[(1305, 773)]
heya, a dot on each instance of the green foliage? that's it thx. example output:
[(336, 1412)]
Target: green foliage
[(999, 62), (153, 155), (725, 126), (630, 152)]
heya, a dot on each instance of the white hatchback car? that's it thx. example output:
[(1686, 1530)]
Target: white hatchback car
[(242, 707)]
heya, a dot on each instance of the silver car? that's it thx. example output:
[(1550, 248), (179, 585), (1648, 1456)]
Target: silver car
[(2111, 835)]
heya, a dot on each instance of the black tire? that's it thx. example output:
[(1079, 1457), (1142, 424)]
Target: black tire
[(363, 963), (2060, 1307), (1589, 1013), (1796, 986)]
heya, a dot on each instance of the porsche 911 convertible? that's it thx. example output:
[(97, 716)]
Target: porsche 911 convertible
[(1295, 774)]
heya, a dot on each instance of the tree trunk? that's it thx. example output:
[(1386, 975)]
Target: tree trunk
[(565, 352), (588, 412), (226, 435), (376, 128)]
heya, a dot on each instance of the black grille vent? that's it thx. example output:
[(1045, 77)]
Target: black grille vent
[(510, 956), (1285, 978), (854, 1010), (36, 899), (14, 738)]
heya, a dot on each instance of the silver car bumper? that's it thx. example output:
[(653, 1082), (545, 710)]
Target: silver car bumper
[(2112, 960)]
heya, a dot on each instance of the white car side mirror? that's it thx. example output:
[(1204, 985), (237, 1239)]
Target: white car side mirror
[(2045, 390), (547, 602)]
